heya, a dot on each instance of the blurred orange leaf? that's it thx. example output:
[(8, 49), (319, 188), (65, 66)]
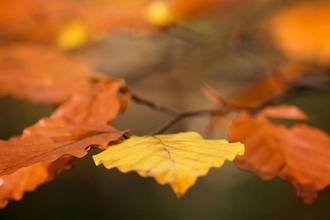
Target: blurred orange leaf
[(163, 13), (284, 111), (302, 31), (41, 73), (72, 23), (268, 86), (47, 21), (14, 185), (299, 154)]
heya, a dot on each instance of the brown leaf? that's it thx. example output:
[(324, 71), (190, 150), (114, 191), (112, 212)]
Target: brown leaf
[(78, 124), (75, 126), (41, 73), (299, 155), (98, 104), (14, 185), (51, 138)]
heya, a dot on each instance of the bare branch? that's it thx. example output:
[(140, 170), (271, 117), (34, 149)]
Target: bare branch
[(183, 115)]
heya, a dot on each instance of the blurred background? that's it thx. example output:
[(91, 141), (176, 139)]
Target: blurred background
[(228, 49)]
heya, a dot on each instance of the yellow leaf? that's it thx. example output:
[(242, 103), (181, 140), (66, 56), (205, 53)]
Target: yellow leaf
[(175, 159), (158, 13), (72, 35)]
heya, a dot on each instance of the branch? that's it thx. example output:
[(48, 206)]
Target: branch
[(225, 109), (149, 103), (177, 116), (183, 115)]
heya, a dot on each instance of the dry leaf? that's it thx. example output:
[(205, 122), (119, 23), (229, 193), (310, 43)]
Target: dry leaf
[(299, 154), (176, 159), (78, 124), (41, 73), (14, 185), (51, 138), (98, 104)]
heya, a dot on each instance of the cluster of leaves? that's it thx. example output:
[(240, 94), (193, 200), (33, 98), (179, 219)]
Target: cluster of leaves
[(88, 102)]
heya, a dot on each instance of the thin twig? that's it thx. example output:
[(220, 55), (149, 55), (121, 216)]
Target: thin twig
[(177, 116), (153, 105), (149, 103), (182, 115)]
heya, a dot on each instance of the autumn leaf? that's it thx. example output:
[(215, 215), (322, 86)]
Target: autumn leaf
[(41, 74), (97, 104), (299, 154), (77, 125), (51, 138), (37, 20), (70, 24), (175, 159), (284, 111), (14, 185), (269, 86), (302, 31)]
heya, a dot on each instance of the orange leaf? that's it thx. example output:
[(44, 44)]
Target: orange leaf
[(44, 21), (14, 185), (40, 73), (51, 138), (283, 111), (299, 154), (76, 126), (98, 104), (302, 31), (268, 86)]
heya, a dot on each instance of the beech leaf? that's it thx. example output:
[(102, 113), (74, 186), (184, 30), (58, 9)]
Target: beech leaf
[(175, 159), (51, 138), (75, 126), (41, 74), (14, 185), (299, 154)]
